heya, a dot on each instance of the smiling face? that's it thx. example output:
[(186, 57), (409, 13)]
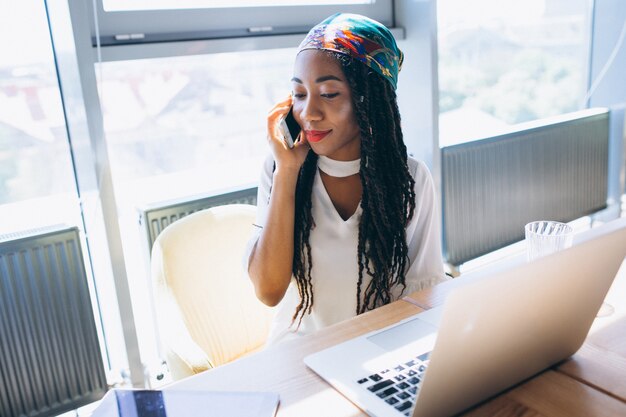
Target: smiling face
[(322, 105)]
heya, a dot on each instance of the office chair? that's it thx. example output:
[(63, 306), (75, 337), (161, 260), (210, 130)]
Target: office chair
[(207, 310)]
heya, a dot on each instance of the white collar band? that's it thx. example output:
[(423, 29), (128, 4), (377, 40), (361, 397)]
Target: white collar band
[(338, 168)]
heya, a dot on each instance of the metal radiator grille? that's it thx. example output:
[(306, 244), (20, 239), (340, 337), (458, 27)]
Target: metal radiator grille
[(156, 217), (50, 359), (491, 188)]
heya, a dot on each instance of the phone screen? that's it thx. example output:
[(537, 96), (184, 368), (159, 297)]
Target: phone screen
[(291, 128), (294, 127)]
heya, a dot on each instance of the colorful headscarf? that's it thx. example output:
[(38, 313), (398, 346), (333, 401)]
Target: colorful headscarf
[(361, 38)]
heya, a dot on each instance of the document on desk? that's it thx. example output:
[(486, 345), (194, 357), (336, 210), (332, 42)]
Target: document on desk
[(172, 403)]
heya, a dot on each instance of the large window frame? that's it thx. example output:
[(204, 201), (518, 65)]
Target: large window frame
[(150, 26)]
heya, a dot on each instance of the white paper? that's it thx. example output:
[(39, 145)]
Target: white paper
[(202, 404)]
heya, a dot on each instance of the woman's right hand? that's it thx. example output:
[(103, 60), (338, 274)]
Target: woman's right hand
[(271, 260), (286, 158)]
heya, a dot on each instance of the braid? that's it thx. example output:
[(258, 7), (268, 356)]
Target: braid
[(302, 229), (388, 198)]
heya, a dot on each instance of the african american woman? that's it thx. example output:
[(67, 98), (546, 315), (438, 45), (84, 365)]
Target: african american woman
[(346, 219)]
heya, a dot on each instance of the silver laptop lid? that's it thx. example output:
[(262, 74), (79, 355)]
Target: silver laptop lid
[(507, 327)]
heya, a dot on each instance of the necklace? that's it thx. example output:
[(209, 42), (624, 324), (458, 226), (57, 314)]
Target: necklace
[(338, 168)]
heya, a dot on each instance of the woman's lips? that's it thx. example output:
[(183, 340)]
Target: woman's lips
[(316, 135)]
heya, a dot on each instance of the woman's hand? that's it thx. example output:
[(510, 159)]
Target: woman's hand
[(286, 159), (271, 260)]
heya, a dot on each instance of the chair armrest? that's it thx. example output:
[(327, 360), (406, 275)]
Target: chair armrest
[(185, 357), (180, 347), (186, 360)]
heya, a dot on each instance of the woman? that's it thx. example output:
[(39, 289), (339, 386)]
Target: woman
[(346, 221)]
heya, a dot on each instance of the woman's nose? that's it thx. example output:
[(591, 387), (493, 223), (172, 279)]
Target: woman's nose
[(311, 111)]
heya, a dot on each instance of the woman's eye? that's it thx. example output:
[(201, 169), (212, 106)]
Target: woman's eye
[(330, 95), (298, 95)]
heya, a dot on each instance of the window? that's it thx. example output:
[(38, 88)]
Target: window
[(123, 5), (35, 164), (507, 62), (186, 125), (168, 20), (182, 126), (37, 179)]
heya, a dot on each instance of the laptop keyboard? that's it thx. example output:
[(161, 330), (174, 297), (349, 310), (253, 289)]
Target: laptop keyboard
[(398, 386)]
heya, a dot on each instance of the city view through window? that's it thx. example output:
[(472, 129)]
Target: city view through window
[(508, 62)]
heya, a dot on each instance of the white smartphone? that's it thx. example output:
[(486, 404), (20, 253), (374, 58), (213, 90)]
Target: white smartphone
[(290, 129)]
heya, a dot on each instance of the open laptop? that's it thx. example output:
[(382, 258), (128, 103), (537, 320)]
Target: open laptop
[(489, 335)]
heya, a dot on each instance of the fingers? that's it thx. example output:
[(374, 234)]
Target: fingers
[(278, 111), (281, 106), (302, 141), (301, 148)]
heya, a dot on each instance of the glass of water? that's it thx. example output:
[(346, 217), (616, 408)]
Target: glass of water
[(545, 237)]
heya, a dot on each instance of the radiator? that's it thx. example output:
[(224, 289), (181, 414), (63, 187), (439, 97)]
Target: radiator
[(554, 170), (50, 358), (156, 217)]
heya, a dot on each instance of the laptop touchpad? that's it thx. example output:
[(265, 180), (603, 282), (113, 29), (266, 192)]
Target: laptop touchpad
[(403, 334)]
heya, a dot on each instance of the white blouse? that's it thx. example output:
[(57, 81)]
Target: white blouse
[(334, 243)]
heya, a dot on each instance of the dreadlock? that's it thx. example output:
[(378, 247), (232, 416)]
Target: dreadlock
[(388, 198)]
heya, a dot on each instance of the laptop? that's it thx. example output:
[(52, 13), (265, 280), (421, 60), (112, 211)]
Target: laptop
[(488, 336)]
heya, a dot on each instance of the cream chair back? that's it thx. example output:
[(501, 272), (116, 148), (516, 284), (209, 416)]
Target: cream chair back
[(201, 284)]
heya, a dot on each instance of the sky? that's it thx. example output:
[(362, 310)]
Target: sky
[(24, 33), (450, 12)]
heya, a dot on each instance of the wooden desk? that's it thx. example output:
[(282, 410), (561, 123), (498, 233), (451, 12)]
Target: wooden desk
[(281, 368), (601, 362), (591, 383)]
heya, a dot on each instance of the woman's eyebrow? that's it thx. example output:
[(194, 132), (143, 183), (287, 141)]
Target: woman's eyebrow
[(320, 79), (327, 78)]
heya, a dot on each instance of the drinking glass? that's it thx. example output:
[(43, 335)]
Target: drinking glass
[(545, 237)]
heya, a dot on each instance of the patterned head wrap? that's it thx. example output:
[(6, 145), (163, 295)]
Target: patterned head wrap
[(361, 38)]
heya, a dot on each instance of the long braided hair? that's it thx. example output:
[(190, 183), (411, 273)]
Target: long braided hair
[(388, 199)]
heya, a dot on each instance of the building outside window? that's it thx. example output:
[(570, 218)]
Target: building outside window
[(508, 62)]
